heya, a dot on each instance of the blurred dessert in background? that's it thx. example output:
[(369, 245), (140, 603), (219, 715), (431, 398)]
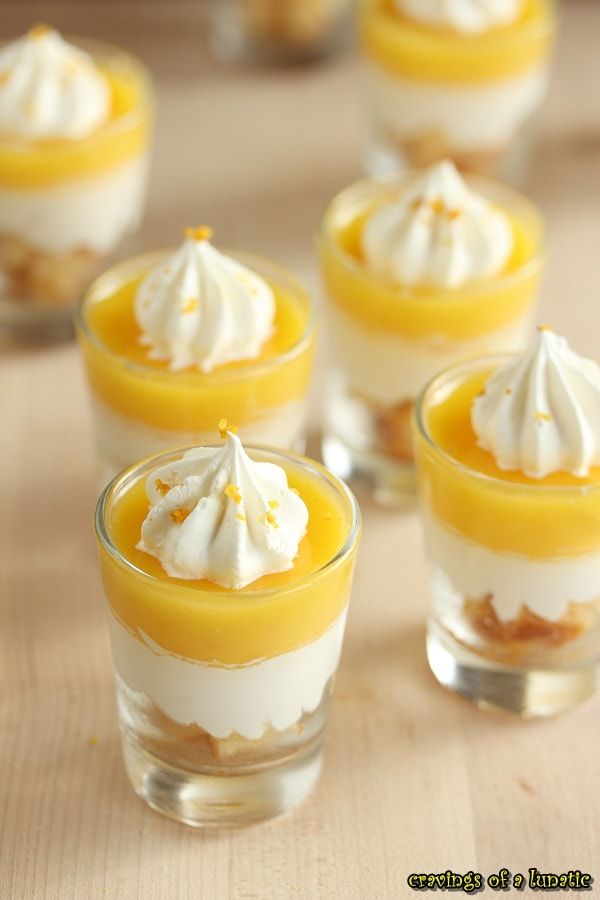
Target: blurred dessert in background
[(228, 575), (174, 341), (508, 452), (461, 80), (278, 30), (419, 273), (74, 132)]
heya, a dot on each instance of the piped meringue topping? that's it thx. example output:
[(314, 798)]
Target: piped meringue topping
[(202, 308), (439, 233), (464, 16), (540, 413), (50, 89), (218, 514)]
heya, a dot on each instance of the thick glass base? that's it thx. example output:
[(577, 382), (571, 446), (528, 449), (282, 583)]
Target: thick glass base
[(392, 482), (219, 799), (26, 323), (526, 692), (275, 33)]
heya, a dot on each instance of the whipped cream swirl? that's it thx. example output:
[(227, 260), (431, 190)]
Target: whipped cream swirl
[(50, 89), (540, 413), (464, 16), (219, 515), (439, 233), (201, 308)]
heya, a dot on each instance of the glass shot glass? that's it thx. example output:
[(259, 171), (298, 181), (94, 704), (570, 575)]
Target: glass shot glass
[(224, 695), (433, 94), (139, 407), (278, 31), (514, 563), (387, 340), (67, 205)]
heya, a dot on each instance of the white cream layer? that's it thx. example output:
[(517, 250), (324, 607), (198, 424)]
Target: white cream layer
[(245, 700), (92, 213), (470, 117), (388, 368), (121, 441), (463, 569)]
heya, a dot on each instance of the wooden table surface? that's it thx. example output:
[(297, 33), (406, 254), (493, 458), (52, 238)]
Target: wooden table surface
[(415, 779)]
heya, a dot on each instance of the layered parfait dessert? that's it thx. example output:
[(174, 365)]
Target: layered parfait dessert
[(74, 131), (508, 451), (460, 80), (278, 30), (419, 273), (175, 340), (227, 573)]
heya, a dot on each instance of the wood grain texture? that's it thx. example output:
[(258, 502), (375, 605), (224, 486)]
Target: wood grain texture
[(414, 779)]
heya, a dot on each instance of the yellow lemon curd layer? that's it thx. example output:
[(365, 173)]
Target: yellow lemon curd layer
[(546, 518), (122, 376), (44, 163), (202, 621), (416, 50), (420, 313)]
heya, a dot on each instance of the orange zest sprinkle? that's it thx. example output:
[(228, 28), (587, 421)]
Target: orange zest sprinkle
[(38, 31), (179, 515), (161, 486), (542, 417), (454, 214), (240, 517), (438, 206), (233, 492), (70, 68), (190, 306), (272, 521), (198, 232), (225, 428), (274, 504)]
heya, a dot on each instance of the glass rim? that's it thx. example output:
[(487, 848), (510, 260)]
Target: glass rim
[(362, 189), (127, 477), (249, 368), (97, 49), (478, 363)]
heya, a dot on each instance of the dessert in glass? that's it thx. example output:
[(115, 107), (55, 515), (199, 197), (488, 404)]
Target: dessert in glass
[(508, 452), (74, 135), (227, 572), (419, 273), (278, 31), (173, 341), (460, 80)]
